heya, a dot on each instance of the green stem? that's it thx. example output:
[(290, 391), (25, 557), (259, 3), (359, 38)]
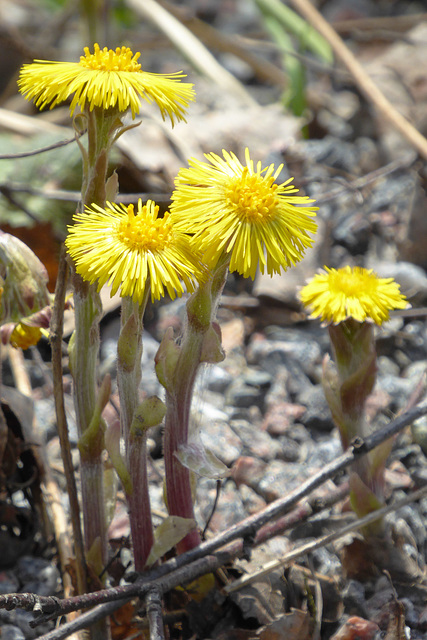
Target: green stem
[(129, 353), (84, 359), (85, 347), (201, 311)]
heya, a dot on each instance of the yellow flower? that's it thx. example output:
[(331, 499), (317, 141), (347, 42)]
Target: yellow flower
[(25, 336), (132, 251), (240, 210), (107, 79), (354, 292)]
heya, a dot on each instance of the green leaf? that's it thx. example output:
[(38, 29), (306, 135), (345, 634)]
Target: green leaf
[(309, 38)]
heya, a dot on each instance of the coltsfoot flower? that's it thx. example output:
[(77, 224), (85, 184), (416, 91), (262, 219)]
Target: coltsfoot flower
[(240, 210), (131, 251), (352, 292), (107, 79)]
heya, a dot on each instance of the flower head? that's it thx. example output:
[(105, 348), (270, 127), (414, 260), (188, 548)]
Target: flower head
[(131, 251), (354, 292), (239, 210), (107, 79)]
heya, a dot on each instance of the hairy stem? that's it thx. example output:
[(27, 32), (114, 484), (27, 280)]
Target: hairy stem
[(201, 310), (129, 352)]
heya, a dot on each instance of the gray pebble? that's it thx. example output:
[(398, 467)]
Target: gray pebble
[(10, 632), (217, 378), (318, 416), (9, 583), (255, 442), (354, 599), (37, 575), (242, 395)]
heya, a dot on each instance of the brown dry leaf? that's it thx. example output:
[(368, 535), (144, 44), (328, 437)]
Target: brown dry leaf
[(122, 626), (292, 626), (302, 579), (362, 559), (257, 601), (356, 562), (264, 599)]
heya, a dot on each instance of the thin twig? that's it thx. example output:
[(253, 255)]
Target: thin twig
[(56, 329), (400, 163), (366, 85), (6, 193), (214, 506), (318, 600), (183, 576), (76, 196), (391, 23), (36, 152), (154, 614)]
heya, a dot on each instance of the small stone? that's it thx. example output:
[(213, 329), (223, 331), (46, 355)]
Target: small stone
[(229, 510), (399, 389), (354, 600), (242, 395), (317, 415), (255, 441), (217, 378), (419, 433), (270, 354), (280, 478), (356, 628), (37, 575), (9, 583), (411, 278), (290, 450), (232, 334), (259, 379), (251, 500), (248, 471), (279, 418), (10, 632), (220, 439)]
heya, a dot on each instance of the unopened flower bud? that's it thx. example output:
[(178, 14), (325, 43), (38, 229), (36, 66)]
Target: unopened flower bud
[(23, 280), (148, 414), (166, 360)]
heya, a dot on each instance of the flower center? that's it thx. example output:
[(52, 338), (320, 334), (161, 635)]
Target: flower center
[(144, 231), (352, 284), (253, 197), (122, 59)]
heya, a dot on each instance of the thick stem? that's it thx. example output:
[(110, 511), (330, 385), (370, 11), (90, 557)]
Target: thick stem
[(201, 311), (84, 359), (139, 501), (85, 349), (355, 357), (129, 353)]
